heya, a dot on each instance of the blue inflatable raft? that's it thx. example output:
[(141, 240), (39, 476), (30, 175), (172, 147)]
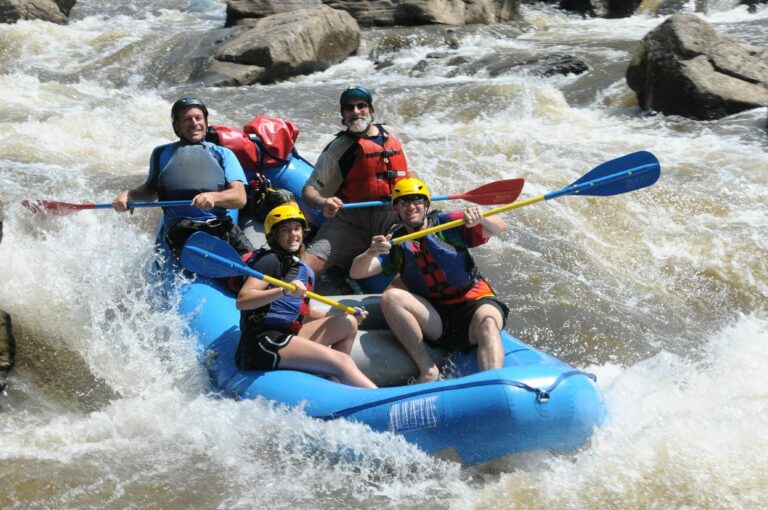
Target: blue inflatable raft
[(534, 402)]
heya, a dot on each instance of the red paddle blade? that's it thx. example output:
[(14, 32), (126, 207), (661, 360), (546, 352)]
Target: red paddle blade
[(493, 193), (51, 207)]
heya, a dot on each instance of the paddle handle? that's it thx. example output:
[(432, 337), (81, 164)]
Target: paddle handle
[(243, 269), (167, 203)]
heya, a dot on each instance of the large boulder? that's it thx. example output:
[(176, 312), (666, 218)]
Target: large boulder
[(290, 44), (385, 13), (684, 67), (55, 11)]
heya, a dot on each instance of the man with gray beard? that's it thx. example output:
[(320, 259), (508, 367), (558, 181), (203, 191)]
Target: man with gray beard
[(361, 164)]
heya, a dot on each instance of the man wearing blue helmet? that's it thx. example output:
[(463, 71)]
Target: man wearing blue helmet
[(361, 164), (208, 175)]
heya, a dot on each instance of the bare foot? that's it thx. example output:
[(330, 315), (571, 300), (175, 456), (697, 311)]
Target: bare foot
[(431, 375)]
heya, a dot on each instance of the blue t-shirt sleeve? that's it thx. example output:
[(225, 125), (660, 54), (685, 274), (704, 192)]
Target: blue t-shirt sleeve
[(233, 170), (154, 161)]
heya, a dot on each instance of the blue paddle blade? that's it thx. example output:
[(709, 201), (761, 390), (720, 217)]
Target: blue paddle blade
[(627, 173), (196, 256)]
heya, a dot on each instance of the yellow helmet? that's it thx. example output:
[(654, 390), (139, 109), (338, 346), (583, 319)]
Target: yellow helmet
[(409, 186), (281, 213)]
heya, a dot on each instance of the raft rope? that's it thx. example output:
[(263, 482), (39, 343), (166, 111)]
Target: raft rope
[(542, 396)]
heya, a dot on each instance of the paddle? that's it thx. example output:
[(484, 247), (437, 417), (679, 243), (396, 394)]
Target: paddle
[(210, 256), (62, 208), (627, 173), (493, 193)]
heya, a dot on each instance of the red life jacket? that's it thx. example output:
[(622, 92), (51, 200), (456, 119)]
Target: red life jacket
[(375, 170)]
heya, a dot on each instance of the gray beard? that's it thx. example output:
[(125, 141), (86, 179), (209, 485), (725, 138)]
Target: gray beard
[(360, 126)]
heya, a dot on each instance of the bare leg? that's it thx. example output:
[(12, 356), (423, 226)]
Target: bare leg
[(318, 265), (484, 331), (337, 332), (411, 318)]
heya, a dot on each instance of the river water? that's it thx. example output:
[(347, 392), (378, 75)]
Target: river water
[(661, 292)]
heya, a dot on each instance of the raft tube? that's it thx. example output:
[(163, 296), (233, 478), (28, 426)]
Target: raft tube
[(534, 402)]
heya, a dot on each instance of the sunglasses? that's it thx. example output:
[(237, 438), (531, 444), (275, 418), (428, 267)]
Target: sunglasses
[(350, 107), (410, 199)]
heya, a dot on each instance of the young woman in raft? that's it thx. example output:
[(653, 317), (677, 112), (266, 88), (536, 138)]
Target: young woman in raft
[(280, 330)]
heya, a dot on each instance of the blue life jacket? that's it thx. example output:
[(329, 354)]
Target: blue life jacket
[(438, 266), (190, 170), (286, 313)]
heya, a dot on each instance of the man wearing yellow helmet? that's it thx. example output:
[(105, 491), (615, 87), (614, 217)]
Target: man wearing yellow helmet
[(440, 298), (279, 329), (361, 164)]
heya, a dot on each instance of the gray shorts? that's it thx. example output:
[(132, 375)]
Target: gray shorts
[(348, 234)]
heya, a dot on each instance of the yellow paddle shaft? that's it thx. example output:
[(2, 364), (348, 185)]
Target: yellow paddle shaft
[(456, 223), (311, 295)]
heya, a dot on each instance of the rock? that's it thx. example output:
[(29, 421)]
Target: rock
[(602, 8), (188, 58), (291, 44), (549, 65), (752, 4), (229, 74), (238, 11), (386, 13), (397, 41), (7, 348), (55, 11), (684, 67)]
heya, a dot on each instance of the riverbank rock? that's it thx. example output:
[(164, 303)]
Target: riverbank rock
[(385, 13), (684, 67), (7, 348), (602, 8), (288, 44), (55, 11)]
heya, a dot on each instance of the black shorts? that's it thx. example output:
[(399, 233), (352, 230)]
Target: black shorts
[(261, 351), (456, 320)]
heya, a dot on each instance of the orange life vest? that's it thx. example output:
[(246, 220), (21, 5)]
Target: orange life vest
[(374, 170)]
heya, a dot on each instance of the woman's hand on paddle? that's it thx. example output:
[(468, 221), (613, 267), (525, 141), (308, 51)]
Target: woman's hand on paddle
[(360, 315), (331, 206), (300, 291)]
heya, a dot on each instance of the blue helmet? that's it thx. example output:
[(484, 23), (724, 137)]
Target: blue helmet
[(186, 102), (356, 91)]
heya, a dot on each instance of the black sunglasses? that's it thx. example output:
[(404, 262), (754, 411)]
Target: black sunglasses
[(410, 199), (350, 107)]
